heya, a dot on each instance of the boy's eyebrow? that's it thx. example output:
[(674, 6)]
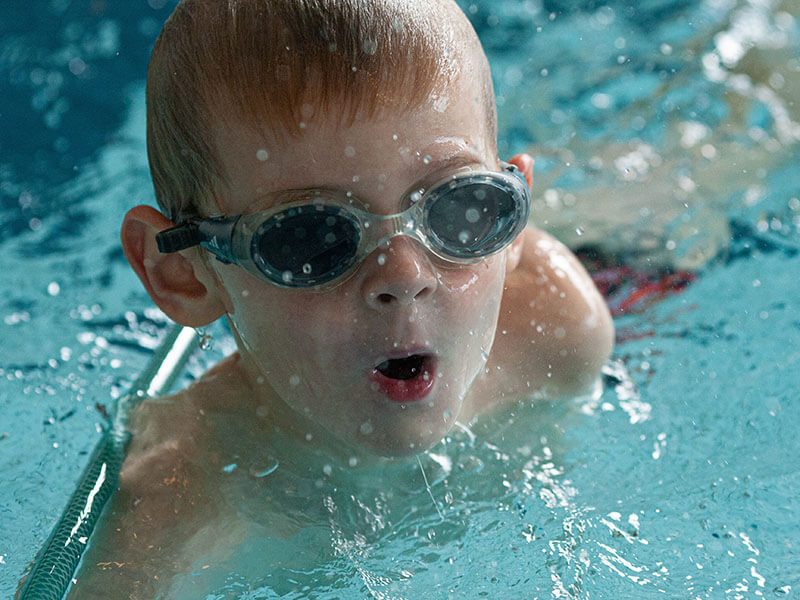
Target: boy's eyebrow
[(461, 157), (449, 149), (448, 162)]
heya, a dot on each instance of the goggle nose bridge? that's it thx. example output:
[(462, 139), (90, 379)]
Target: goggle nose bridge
[(380, 229)]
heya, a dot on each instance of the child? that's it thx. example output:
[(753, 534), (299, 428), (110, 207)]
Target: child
[(362, 340)]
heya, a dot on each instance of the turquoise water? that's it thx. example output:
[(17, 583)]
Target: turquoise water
[(666, 136)]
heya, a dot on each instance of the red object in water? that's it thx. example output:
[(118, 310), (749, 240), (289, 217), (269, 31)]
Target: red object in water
[(628, 291)]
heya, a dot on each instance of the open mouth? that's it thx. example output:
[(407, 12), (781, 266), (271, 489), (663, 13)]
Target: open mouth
[(405, 379), (402, 368)]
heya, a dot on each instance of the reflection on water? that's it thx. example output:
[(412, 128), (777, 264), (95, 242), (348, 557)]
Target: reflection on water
[(650, 121)]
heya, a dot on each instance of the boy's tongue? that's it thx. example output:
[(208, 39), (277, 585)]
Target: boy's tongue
[(405, 379)]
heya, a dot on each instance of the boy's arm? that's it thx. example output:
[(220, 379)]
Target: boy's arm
[(558, 330)]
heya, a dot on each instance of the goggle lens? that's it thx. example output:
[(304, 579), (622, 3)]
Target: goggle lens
[(472, 220), (306, 245)]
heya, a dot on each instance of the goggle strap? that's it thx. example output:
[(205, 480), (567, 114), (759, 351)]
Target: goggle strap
[(178, 238), (514, 170)]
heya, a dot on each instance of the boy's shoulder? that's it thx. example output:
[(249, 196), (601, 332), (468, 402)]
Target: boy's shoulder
[(176, 433), (554, 331), (168, 496), (171, 461), (162, 481)]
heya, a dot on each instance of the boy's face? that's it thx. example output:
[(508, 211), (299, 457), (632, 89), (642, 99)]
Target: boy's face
[(318, 351)]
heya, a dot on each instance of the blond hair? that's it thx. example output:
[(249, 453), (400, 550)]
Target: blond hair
[(270, 62)]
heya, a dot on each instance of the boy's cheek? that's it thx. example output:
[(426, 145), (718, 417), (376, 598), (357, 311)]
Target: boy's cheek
[(310, 327), (470, 280)]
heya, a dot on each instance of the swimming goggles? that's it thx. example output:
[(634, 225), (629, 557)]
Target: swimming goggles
[(315, 240)]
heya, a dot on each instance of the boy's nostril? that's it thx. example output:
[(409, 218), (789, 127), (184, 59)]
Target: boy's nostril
[(423, 293), (389, 298)]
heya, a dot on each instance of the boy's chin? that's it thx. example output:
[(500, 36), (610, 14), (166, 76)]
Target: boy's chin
[(401, 446)]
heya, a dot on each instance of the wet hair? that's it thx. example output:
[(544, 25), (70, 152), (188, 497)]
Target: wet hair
[(276, 63)]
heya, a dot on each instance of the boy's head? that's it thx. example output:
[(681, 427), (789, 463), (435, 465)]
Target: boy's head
[(250, 101), (276, 65)]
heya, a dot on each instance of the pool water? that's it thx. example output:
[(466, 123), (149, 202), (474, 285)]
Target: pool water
[(666, 135)]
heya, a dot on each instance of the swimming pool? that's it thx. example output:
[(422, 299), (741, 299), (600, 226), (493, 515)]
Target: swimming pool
[(666, 133)]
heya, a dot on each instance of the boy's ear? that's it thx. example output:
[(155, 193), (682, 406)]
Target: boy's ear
[(524, 162), (179, 283)]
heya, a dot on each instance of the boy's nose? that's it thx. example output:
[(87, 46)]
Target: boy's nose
[(399, 275)]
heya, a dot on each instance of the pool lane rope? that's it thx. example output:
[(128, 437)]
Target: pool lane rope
[(58, 559)]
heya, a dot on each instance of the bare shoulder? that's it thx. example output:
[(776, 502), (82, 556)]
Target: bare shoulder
[(165, 494), (172, 459), (554, 331)]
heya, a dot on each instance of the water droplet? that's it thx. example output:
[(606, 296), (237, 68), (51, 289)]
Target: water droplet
[(262, 155), (327, 469), (206, 340), (370, 46), (267, 470), (579, 230), (381, 259), (287, 277), (230, 468), (464, 236), (366, 428), (349, 151), (307, 269), (353, 461), (440, 104), (415, 196), (782, 590), (294, 380), (472, 215), (426, 159)]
